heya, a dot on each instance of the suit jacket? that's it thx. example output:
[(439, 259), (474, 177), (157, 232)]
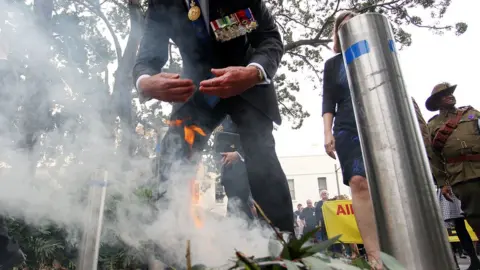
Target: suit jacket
[(167, 19)]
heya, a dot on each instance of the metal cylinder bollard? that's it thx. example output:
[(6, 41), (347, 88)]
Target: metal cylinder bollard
[(92, 229), (409, 223)]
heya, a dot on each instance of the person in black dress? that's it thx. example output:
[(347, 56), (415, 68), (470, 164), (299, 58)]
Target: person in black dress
[(234, 177), (343, 140)]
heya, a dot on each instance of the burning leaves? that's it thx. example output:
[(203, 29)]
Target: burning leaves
[(195, 199), (190, 131)]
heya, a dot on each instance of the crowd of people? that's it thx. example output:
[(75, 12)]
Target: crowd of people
[(309, 218)]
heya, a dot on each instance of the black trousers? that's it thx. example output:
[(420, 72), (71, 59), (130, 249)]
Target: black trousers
[(234, 179), (267, 180)]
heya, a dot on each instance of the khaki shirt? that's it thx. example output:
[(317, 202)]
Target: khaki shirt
[(423, 125), (465, 140)]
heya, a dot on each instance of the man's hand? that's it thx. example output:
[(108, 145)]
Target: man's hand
[(447, 193), (230, 81), (167, 87), (229, 158)]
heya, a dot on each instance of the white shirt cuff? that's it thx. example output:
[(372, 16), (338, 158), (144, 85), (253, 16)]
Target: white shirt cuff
[(240, 156), (137, 84), (266, 80), (141, 97)]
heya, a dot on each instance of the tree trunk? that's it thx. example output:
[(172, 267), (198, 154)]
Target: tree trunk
[(37, 104), (123, 85)]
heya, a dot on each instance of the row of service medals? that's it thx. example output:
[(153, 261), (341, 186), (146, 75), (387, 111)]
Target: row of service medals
[(229, 27)]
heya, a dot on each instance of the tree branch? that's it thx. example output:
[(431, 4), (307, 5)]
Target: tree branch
[(295, 20), (302, 42), (378, 5), (316, 41), (328, 20), (304, 58), (100, 14)]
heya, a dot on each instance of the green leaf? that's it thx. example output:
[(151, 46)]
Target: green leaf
[(315, 263), (286, 253), (290, 265), (322, 246), (390, 262), (360, 263), (298, 244)]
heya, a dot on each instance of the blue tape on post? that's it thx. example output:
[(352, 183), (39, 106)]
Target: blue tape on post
[(391, 45), (356, 50)]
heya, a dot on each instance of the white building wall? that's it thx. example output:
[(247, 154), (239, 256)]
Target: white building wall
[(305, 171)]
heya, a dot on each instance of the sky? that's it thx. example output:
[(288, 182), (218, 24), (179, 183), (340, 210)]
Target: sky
[(430, 59)]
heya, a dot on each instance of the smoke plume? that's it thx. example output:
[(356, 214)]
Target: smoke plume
[(59, 118)]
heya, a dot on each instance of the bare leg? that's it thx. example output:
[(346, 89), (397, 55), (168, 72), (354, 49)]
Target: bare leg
[(363, 208)]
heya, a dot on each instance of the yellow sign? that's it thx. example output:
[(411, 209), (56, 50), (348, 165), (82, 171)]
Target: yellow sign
[(340, 220)]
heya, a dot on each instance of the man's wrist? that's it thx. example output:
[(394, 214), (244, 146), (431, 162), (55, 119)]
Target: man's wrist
[(142, 83), (256, 74)]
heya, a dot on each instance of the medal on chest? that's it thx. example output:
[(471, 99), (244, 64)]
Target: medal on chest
[(194, 12)]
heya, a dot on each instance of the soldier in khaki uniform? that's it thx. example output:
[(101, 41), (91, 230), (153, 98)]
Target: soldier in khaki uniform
[(423, 126), (455, 146)]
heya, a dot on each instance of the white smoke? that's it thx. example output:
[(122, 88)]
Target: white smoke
[(57, 194)]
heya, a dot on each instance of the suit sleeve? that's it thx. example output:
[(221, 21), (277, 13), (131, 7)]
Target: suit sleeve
[(153, 51), (265, 40), (328, 102)]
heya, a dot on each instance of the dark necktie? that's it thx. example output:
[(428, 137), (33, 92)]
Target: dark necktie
[(203, 35)]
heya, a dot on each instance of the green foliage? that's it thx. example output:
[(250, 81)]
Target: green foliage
[(307, 31), (298, 255)]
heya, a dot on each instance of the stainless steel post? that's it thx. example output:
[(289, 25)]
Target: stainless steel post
[(407, 214), (92, 229)]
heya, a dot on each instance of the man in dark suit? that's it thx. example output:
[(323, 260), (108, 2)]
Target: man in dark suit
[(226, 71), (233, 172)]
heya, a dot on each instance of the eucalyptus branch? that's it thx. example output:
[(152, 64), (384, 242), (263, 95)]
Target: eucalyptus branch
[(304, 58), (316, 40), (328, 20), (295, 21), (286, 108), (280, 26), (378, 5), (100, 14), (303, 42), (409, 19)]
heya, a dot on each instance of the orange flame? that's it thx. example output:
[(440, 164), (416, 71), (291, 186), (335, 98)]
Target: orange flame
[(195, 199), (190, 131)]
